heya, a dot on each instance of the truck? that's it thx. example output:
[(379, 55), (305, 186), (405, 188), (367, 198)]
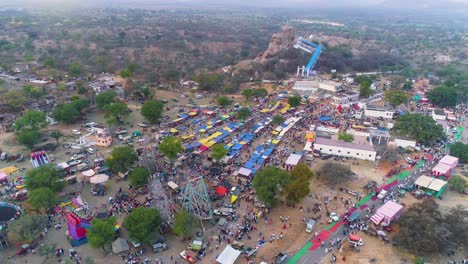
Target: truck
[(310, 226), (197, 244), (355, 240)]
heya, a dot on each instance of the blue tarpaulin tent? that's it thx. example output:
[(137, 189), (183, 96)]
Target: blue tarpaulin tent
[(324, 118)]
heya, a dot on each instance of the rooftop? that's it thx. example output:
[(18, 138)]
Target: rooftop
[(351, 145)]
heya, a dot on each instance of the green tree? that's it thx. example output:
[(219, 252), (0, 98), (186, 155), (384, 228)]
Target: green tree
[(66, 113), (443, 96), (44, 176), (302, 171), (407, 86), (345, 137), (268, 182), (105, 98), (335, 173), (121, 158), (30, 120), (33, 91), (152, 111), (139, 176), (74, 68), (29, 138), (56, 135), (278, 120), (420, 127), (125, 73), (458, 183), (243, 113), (170, 147), (142, 224), (115, 113), (13, 98), (80, 103), (26, 228), (247, 93), (460, 151), (184, 223), (101, 233), (396, 97), (294, 101), (49, 62), (260, 92), (365, 83), (223, 101), (209, 81), (298, 188), (42, 198), (218, 152)]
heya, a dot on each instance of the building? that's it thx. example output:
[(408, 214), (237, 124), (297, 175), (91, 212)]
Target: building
[(345, 98), (378, 111), (404, 142), (438, 115), (359, 149), (313, 86), (101, 140), (387, 213), (432, 186)]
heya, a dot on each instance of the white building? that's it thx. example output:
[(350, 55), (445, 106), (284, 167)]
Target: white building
[(438, 115), (345, 149), (374, 111), (402, 142), (345, 98)]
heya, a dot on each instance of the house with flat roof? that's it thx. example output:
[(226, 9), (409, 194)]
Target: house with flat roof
[(379, 111), (438, 114)]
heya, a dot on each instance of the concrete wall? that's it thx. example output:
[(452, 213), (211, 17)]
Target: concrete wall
[(374, 113), (405, 143)]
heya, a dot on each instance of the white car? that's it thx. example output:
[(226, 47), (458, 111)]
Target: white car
[(334, 217), (90, 124), (142, 124), (91, 150), (76, 132), (219, 212), (199, 96)]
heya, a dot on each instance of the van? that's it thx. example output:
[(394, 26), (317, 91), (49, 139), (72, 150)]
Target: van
[(3, 156), (310, 226)]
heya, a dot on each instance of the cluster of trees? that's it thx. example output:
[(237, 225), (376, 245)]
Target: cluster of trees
[(152, 111), (209, 81), (294, 101), (129, 70), (170, 147), (223, 101), (259, 92), (345, 137), (121, 158), (270, 183), (243, 113), (458, 183), (114, 111), (218, 151), (424, 230), (420, 127), (70, 113), (27, 127), (460, 151), (335, 173), (43, 183), (396, 97)]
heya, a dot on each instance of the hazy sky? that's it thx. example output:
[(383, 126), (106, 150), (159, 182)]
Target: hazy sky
[(425, 4)]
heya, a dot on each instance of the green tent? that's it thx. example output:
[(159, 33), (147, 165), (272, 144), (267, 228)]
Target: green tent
[(136, 133)]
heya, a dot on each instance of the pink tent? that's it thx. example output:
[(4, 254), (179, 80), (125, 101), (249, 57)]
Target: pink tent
[(3, 176), (449, 160), (442, 170), (387, 213)]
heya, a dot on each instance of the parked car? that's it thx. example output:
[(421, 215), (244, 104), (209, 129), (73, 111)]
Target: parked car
[(159, 247), (382, 194), (142, 124), (281, 258), (91, 150), (221, 213), (189, 256), (334, 217), (76, 132), (310, 226)]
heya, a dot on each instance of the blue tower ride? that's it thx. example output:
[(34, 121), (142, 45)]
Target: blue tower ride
[(309, 47)]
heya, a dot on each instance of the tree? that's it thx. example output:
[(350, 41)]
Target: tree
[(294, 101), (458, 183), (142, 224), (42, 198), (243, 113), (139, 176), (66, 113), (335, 173), (31, 120), (247, 93), (260, 92), (443, 96), (184, 223), (170, 147), (298, 188), (423, 230), (105, 98), (29, 138), (33, 91), (345, 137), (391, 155), (152, 111), (80, 103), (209, 82), (456, 222), (396, 97), (267, 183), (407, 86), (14, 99), (121, 158), (218, 151), (223, 101), (74, 68), (420, 127), (364, 85), (460, 151), (101, 233), (26, 228), (116, 112), (44, 176), (125, 73), (278, 120), (56, 135)]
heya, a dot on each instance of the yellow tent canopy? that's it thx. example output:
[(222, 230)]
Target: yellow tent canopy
[(275, 141), (202, 130), (274, 132), (265, 110), (310, 135), (188, 137), (210, 144), (9, 170), (242, 142), (234, 198), (192, 113), (173, 130), (204, 141)]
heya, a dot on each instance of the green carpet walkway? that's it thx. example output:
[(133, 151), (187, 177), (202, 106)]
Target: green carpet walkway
[(300, 253)]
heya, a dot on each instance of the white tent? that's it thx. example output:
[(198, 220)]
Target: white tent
[(120, 245), (228, 256), (100, 178)]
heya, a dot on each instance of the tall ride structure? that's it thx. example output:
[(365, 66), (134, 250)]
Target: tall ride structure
[(309, 47), (196, 199), (161, 201)]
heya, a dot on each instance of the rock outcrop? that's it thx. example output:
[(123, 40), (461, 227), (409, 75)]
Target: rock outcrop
[(279, 42)]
